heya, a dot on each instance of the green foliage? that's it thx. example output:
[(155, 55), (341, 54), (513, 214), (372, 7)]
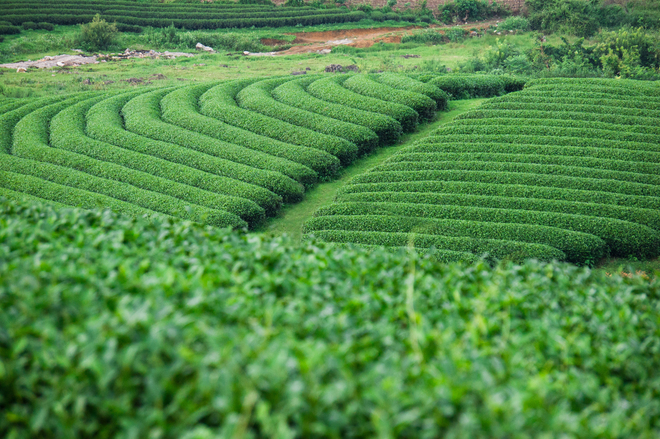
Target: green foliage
[(142, 115), (330, 89), (98, 34), (282, 340), (477, 86), (469, 10), (402, 82), (502, 166), (105, 123), (257, 97), (9, 30), (180, 108), (363, 85), (294, 93), (514, 23)]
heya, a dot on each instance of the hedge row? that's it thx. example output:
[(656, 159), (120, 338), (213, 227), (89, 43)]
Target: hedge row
[(623, 238), (455, 134), (649, 142), (496, 144), (477, 86), (22, 197), (506, 190), (31, 142), (578, 247), (531, 97), (612, 85), (52, 183), (192, 24), (219, 103), (294, 93), (594, 98), (593, 90), (330, 90), (142, 116), (565, 119), (448, 163), (67, 131), (576, 108), (200, 170), (653, 169), (646, 217), (627, 123), (257, 97), (529, 179), (499, 249), (363, 85), (180, 107), (402, 82)]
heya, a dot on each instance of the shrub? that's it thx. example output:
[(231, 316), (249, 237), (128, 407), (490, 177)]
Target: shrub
[(514, 23), (402, 82), (98, 34), (9, 30)]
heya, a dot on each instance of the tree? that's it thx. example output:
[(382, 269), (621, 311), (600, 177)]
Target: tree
[(98, 34)]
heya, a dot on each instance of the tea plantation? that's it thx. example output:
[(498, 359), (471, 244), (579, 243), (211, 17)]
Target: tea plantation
[(567, 169), (226, 154), (114, 327)]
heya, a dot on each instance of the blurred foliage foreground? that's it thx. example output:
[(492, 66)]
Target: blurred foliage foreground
[(113, 327)]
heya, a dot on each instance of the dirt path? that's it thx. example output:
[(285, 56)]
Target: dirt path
[(361, 38)]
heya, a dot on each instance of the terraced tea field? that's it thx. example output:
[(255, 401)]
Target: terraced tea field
[(224, 154), (189, 16), (567, 169)]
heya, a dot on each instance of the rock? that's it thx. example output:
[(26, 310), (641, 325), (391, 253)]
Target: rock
[(246, 52), (334, 68), (60, 64), (474, 34), (21, 70), (324, 51), (87, 81), (299, 73), (307, 69), (200, 46), (108, 82), (409, 56)]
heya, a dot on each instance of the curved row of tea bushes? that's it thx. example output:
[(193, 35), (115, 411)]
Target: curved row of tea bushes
[(294, 93), (142, 116), (578, 247), (493, 248), (67, 131), (620, 86), (489, 117), (258, 98), (622, 237), (512, 173), (218, 102), (402, 82), (647, 217), (30, 141), (625, 123), (364, 85), (476, 86), (180, 107), (330, 90), (105, 123), (190, 16)]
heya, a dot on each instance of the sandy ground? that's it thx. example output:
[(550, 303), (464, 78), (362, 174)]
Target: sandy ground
[(308, 42)]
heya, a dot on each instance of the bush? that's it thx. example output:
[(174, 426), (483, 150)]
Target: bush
[(129, 28), (10, 30), (477, 86), (469, 10), (514, 23), (98, 34)]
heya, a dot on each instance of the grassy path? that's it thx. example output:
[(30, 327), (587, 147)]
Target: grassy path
[(292, 217)]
